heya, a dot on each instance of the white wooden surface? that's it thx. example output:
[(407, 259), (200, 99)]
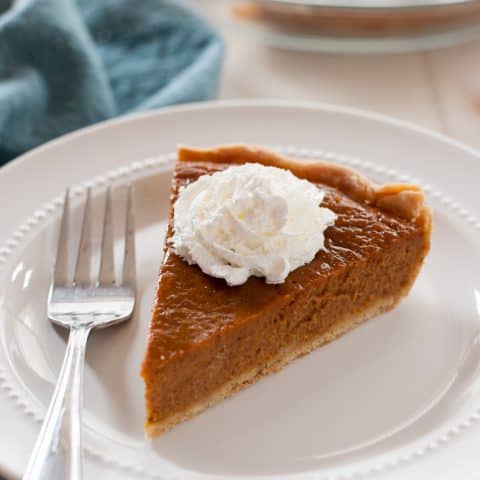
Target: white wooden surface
[(439, 90)]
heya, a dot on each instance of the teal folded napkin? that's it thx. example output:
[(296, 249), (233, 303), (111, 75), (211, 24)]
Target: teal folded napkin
[(67, 64)]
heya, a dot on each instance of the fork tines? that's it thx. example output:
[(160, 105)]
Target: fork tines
[(82, 276)]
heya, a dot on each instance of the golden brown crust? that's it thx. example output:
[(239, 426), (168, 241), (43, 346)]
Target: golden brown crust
[(406, 201), (403, 200)]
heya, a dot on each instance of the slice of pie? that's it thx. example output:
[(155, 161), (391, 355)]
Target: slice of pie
[(208, 340)]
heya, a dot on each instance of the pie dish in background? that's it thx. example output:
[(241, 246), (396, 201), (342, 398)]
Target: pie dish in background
[(356, 26)]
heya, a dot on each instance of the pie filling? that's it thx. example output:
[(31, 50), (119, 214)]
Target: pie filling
[(208, 339)]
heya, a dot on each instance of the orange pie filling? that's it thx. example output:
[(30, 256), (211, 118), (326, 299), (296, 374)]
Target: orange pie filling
[(207, 339)]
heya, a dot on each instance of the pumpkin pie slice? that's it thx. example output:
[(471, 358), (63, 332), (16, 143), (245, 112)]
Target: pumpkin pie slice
[(207, 339)]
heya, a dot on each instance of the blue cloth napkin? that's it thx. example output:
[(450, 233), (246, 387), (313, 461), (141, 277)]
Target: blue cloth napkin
[(67, 64)]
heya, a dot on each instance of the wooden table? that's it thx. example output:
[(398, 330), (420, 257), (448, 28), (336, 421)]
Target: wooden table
[(438, 90)]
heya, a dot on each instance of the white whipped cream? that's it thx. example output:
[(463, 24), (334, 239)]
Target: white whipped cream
[(250, 220)]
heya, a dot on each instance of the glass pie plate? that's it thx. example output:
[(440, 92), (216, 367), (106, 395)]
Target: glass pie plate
[(359, 26)]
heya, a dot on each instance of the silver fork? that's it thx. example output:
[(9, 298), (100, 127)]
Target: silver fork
[(80, 306)]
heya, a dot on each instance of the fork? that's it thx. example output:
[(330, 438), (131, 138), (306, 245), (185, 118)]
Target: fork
[(80, 306)]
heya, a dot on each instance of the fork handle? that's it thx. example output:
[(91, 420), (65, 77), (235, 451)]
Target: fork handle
[(58, 450)]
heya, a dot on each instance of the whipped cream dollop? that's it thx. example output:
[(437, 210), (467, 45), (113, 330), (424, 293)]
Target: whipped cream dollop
[(250, 220)]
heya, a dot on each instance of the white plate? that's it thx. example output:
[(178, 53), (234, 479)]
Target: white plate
[(398, 395)]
